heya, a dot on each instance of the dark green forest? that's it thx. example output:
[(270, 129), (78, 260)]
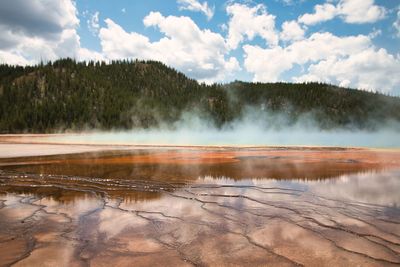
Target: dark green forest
[(66, 95)]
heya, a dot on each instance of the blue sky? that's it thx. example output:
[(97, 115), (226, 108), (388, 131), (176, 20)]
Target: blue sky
[(353, 43)]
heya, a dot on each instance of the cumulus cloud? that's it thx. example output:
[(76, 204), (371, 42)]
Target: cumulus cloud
[(360, 11), (87, 54), (198, 53), (194, 5), (268, 64), (369, 69), (291, 31), (350, 11), (32, 18), (13, 58), (39, 30), (321, 13), (248, 22), (349, 61)]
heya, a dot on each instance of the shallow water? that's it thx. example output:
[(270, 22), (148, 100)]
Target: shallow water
[(243, 136), (213, 207)]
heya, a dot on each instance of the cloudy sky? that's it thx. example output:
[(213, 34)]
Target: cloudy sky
[(353, 43)]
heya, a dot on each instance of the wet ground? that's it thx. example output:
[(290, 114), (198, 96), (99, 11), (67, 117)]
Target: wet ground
[(202, 207)]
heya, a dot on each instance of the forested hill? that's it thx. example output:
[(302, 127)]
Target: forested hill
[(67, 95)]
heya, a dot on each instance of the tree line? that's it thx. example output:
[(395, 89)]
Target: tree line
[(125, 94)]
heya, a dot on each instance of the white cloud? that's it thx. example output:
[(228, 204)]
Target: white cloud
[(45, 18), (321, 13), (93, 23), (351, 61), (194, 5), (351, 11), (198, 53), (116, 43), (38, 30), (249, 22), (266, 64), (87, 54), (369, 69), (291, 31), (360, 11), (13, 58), (396, 24)]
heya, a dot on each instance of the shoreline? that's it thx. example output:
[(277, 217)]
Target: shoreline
[(42, 139), (19, 146), (30, 148)]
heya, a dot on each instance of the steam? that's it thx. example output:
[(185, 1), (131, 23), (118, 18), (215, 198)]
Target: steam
[(256, 127)]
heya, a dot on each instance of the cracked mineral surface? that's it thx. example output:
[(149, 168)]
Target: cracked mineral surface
[(202, 207)]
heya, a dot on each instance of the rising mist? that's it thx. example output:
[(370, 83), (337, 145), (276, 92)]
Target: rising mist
[(254, 128)]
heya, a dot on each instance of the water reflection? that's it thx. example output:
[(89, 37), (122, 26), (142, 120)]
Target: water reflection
[(381, 188), (189, 164), (373, 187), (214, 210)]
